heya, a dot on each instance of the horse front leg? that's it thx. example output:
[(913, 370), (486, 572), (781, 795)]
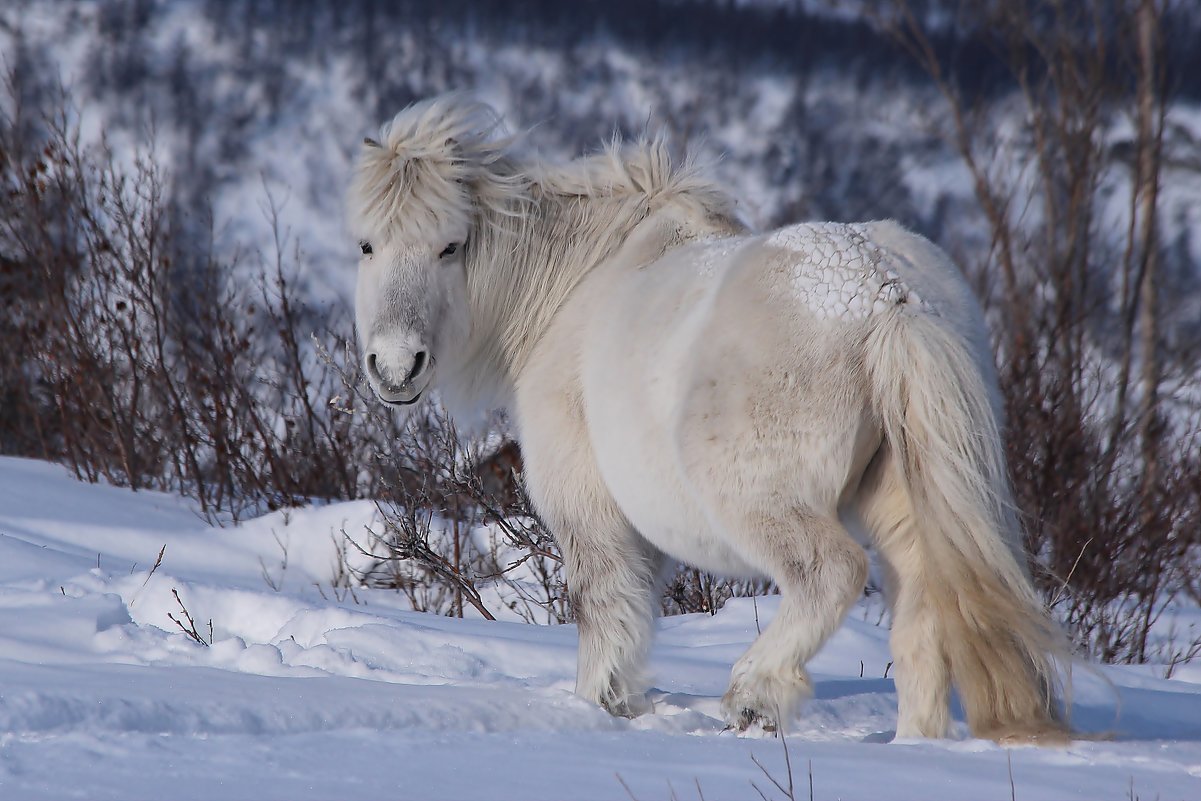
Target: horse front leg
[(612, 571), (612, 577)]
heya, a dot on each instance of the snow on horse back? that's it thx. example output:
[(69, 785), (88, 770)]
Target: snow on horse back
[(684, 388)]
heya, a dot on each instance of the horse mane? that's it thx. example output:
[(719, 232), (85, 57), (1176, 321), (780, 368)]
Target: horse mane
[(641, 168), (536, 227), (569, 218)]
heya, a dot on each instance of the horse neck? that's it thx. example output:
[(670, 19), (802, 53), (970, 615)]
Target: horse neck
[(527, 259)]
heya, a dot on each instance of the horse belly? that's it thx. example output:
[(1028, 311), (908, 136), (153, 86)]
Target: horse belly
[(644, 480), (647, 331)]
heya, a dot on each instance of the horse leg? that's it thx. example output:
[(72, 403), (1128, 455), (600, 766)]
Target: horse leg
[(768, 460), (612, 578), (821, 572), (613, 573), (923, 669)]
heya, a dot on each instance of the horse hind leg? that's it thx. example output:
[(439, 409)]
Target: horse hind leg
[(821, 572), (951, 628), (922, 663)]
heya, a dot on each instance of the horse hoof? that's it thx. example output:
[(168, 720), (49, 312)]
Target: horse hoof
[(744, 716), (751, 718), (631, 706)]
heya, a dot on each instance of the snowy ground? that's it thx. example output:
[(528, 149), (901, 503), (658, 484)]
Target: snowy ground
[(302, 696)]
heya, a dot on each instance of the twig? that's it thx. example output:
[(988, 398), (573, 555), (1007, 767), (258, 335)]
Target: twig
[(626, 787), (789, 791), (1064, 585), (787, 756), (157, 562), (190, 629)]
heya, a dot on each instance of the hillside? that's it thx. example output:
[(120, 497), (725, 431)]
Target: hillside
[(809, 111)]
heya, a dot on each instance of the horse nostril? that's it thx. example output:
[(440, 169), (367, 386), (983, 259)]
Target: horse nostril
[(419, 360), (372, 369)]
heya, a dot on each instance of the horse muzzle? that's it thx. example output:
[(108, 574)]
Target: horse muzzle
[(409, 389)]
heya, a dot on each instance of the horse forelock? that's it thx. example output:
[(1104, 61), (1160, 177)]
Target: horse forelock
[(433, 163)]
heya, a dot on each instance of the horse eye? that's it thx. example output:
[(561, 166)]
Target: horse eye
[(449, 250), (365, 246)]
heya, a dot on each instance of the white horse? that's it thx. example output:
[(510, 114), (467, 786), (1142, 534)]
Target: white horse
[(684, 387)]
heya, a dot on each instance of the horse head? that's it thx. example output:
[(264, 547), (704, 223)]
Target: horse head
[(412, 205)]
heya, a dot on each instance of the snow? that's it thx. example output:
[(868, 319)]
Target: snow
[(303, 696)]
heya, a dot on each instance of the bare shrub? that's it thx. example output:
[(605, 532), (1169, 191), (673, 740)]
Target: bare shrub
[(134, 355), (1103, 433), (455, 520), (689, 590)]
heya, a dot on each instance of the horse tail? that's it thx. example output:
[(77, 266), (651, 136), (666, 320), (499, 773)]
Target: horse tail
[(970, 582)]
